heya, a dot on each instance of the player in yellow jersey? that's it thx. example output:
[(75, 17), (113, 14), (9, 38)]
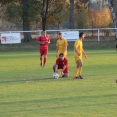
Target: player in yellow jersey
[(78, 51), (61, 45)]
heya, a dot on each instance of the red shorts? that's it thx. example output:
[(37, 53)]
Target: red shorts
[(43, 51), (66, 69)]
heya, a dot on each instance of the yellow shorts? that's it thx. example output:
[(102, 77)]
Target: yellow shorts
[(78, 59)]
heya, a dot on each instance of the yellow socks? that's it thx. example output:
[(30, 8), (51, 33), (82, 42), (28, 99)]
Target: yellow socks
[(80, 71), (76, 72)]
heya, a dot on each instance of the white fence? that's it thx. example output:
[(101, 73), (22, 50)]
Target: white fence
[(97, 34)]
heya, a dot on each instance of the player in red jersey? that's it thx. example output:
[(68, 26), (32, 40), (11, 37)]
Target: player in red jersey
[(61, 63), (43, 40)]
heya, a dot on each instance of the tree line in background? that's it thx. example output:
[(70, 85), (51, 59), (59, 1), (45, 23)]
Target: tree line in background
[(45, 14)]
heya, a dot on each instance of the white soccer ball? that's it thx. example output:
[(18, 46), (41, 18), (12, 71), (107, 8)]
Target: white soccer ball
[(55, 75)]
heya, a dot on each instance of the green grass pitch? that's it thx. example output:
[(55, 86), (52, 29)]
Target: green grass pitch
[(27, 90)]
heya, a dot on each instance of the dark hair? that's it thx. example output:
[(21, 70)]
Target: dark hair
[(42, 32), (61, 54), (60, 33), (80, 34)]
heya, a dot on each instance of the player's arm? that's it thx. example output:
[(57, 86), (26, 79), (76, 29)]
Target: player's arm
[(48, 40), (76, 51), (83, 52), (56, 68), (57, 49), (65, 48), (75, 48), (64, 67)]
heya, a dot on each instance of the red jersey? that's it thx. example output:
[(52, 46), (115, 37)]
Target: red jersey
[(44, 39), (61, 63)]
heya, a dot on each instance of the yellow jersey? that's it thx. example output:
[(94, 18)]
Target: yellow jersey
[(61, 44), (79, 47)]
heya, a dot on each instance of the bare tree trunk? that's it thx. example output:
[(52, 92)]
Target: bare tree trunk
[(44, 13), (43, 23), (71, 16), (26, 23), (113, 9)]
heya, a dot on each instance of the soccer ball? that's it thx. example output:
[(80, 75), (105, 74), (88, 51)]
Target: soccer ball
[(55, 75)]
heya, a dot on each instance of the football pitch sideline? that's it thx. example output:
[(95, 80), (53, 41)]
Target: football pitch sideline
[(28, 90)]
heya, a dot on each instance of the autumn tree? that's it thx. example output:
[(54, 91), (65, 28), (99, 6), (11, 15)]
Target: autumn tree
[(50, 8), (71, 16), (81, 19), (100, 18), (31, 10), (29, 14), (21, 11), (59, 17), (76, 5), (81, 16)]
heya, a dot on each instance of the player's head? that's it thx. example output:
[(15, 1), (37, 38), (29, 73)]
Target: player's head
[(61, 56), (44, 32), (81, 35), (60, 35)]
